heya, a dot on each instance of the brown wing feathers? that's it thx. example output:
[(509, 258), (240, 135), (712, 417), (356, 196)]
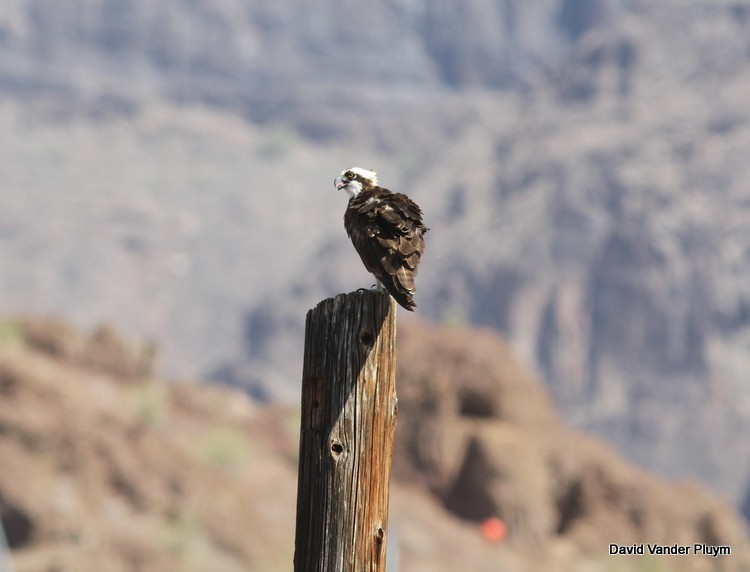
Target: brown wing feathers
[(386, 229)]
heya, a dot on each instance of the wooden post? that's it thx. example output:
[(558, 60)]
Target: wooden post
[(349, 410)]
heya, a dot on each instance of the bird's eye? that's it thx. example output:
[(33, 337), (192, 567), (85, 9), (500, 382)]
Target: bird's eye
[(349, 175)]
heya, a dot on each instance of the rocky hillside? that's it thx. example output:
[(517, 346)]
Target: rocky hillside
[(481, 433), (262, 56), (105, 467), (167, 166)]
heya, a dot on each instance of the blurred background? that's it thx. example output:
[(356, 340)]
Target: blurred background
[(166, 169)]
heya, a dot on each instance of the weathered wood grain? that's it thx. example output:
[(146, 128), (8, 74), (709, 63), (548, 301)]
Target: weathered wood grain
[(349, 410)]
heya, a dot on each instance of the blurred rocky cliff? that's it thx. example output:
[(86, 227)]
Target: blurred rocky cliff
[(107, 468), (261, 55)]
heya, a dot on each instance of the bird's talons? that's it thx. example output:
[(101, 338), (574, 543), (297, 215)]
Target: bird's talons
[(377, 287)]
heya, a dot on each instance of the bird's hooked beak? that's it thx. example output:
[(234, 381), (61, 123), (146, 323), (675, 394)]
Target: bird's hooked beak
[(340, 182)]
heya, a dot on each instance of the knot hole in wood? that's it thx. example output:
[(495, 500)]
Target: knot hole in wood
[(366, 338), (337, 448)]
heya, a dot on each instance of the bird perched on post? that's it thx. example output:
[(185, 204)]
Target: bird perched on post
[(387, 231)]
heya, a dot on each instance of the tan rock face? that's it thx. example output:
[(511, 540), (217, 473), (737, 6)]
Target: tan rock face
[(481, 432), (98, 468)]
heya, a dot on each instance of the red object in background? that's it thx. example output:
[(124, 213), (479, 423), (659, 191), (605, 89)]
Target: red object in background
[(494, 529)]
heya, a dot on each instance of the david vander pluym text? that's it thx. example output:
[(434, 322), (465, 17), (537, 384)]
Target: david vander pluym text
[(670, 549)]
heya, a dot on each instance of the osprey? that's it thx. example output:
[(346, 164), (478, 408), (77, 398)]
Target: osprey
[(386, 230)]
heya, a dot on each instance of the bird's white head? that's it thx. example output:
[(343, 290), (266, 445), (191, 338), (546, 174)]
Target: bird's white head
[(355, 180)]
